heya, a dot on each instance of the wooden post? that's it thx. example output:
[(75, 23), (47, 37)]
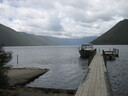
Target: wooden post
[(17, 60)]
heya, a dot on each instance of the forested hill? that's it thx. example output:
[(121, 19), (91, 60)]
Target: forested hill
[(117, 35), (10, 37)]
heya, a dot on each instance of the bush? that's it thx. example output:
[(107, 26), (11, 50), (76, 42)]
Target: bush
[(5, 57), (8, 93)]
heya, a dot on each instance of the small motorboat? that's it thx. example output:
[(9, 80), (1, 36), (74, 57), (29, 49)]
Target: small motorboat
[(86, 50)]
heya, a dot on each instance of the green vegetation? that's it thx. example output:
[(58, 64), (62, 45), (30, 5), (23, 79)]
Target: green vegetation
[(8, 93), (118, 35), (5, 57), (10, 37)]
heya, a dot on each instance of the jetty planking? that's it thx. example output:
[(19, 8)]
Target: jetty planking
[(95, 83)]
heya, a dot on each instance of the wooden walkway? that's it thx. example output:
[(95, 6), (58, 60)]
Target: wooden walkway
[(95, 83)]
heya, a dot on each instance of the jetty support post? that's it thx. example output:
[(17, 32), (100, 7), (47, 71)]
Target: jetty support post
[(104, 57)]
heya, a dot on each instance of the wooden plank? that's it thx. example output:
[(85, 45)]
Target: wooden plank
[(79, 91), (88, 82), (91, 63), (93, 79), (93, 69), (103, 83), (85, 84), (103, 64), (98, 82)]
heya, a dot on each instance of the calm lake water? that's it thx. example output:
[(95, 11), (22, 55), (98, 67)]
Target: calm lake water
[(67, 69)]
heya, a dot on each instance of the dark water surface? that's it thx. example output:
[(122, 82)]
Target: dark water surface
[(67, 70)]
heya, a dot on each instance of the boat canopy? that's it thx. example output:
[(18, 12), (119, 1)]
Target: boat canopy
[(88, 45)]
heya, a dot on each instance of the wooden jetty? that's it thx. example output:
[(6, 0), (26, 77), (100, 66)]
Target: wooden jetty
[(96, 82)]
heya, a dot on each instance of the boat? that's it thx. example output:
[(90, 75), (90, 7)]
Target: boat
[(86, 50), (112, 54)]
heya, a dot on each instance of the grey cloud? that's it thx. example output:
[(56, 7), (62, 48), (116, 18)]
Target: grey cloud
[(80, 4), (37, 4), (1, 1), (55, 23)]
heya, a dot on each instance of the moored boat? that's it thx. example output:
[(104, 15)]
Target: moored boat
[(86, 50)]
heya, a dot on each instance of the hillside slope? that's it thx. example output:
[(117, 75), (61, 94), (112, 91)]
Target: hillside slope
[(117, 35), (10, 37), (73, 41)]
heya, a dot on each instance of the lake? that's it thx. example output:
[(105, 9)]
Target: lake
[(67, 69)]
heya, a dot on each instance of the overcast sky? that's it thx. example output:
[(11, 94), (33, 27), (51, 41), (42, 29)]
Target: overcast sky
[(63, 18)]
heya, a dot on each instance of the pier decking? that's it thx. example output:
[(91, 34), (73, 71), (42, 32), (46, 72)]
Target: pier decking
[(96, 83)]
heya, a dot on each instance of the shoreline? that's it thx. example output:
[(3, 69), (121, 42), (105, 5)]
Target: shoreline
[(52, 90), (19, 77), (32, 91), (48, 90)]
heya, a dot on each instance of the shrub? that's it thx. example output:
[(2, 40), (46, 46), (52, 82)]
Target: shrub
[(5, 57), (8, 93)]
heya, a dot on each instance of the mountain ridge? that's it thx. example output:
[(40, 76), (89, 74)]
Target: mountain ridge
[(73, 41), (117, 35), (10, 37)]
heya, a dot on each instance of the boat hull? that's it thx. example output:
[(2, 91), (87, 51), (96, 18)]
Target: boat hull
[(85, 53)]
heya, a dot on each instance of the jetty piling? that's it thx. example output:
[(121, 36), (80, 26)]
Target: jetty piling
[(104, 57)]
